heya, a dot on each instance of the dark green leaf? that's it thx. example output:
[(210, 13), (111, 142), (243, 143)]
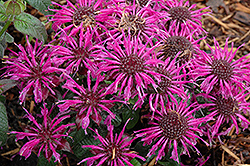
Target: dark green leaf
[(3, 16), (13, 8), (41, 5), (3, 124), (8, 37), (133, 115), (3, 46), (6, 84), (135, 162), (30, 25), (42, 161)]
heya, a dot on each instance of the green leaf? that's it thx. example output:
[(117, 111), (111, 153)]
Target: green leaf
[(135, 162), (13, 8), (3, 46), (6, 84), (8, 37), (42, 161), (41, 5), (134, 115), (3, 16), (30, 25), (3, 124)]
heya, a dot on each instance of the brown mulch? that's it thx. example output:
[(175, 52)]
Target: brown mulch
[(230, 20)]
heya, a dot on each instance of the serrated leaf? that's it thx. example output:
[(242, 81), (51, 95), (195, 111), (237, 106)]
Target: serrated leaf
[(13, 8), (41, 5), (30, 25), (3, 124), (135, 162), (3, 46), (6, 84), (3, 16), (42, 161)]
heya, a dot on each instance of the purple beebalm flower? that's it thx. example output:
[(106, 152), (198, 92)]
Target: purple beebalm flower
[(88, 102), (129, 66), (173, 126), (113, 150), (227, 109), (220, 71), (180, 44), (34, 68), (85, 14), (136, 21), (78, 54), (180, 13), (46, 137), (172, 83)]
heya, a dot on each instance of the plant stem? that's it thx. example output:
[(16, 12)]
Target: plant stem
[(5, 28)]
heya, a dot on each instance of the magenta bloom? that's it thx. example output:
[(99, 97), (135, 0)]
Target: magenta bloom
[(166, 86), (46, 137), (130, 66), (174, 126), (33, 67), (88, 102), (136, 21), (85, 14), (77, 54), (113, 150), (220, 71), (180, 13), (227, 109)]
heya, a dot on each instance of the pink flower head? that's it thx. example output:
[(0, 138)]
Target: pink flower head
[(174, 126), (34, 68), (88, 102), (113, 150), (81, 16), (136, 21), (46, 137), (178, 43), (227, 109), (130, 66), (166, 86), (180, 13), (78, 53), (219, 71)]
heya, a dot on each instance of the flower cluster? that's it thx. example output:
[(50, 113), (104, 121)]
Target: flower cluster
[(122, 53)]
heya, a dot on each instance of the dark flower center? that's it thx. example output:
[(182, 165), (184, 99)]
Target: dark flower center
[(80, 53), (225, 106), (132, 24), (165, 83), (180, 14), (90, 98), (173, 125), (113, 151), (222, 69), (131, 64), (84, 15), (175, 44), (142, 3)]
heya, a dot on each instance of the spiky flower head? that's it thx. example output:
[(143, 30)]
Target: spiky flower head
[(85, 14), (220, 71), (180, 13), (174, 126), (136, 21), (113, 150), (227, 109), (88, 102), (46, 137), (162, 93), (34, 69), (77, 54), (130, 67)]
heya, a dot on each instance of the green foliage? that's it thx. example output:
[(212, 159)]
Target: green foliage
[(133, 115), (41, 5), (42, 161), (30, 25), (3, 124), (13, 8)]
